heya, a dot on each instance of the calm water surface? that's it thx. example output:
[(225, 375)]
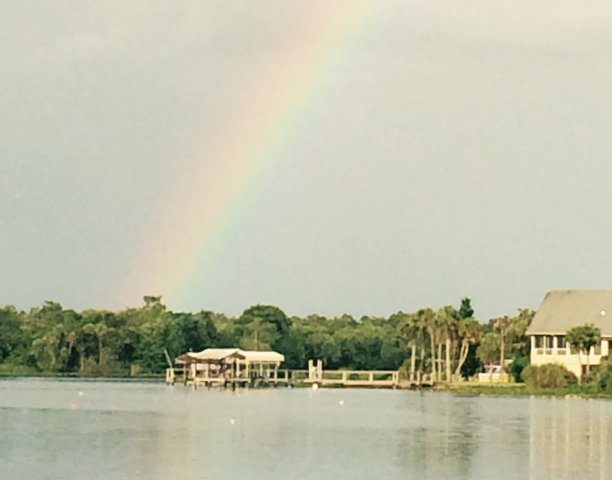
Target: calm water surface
[(52, 429)]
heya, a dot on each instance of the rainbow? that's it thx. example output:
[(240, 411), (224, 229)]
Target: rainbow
[(195, 222)]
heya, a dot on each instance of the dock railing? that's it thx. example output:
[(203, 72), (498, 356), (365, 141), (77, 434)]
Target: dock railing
[(314, 375)]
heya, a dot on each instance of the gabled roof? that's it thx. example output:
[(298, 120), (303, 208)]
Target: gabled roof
[(563, 309), (208, 354), (262, 356), (218, 354)]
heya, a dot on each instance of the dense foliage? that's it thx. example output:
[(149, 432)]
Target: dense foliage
[(51, 339), (604, 377), (549, 375)]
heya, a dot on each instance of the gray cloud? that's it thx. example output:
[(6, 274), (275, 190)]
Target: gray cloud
[(458, 149)]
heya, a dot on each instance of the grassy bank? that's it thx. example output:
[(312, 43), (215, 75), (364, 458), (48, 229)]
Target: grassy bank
[(520, 389)]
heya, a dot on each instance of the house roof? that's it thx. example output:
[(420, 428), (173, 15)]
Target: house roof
[(563, 309)]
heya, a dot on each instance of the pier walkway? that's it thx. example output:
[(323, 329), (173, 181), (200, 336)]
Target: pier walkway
[(315, 375)]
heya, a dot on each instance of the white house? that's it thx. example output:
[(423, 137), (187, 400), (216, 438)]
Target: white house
[(561, 310)]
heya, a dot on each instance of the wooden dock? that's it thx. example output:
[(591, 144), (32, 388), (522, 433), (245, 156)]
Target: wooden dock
[(356, 378), (315, 375), (363, 378)]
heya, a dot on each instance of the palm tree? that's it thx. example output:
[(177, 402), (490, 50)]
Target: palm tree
[(445, 325), (502, 324), (470, 332), (592, 336), (98, 331), (423, 319), (427, 317), (583, 338), (413, 329), (409, 333)]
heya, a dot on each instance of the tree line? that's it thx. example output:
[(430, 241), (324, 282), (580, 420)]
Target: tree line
[(447, 342)]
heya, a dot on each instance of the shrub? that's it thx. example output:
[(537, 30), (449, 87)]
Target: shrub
[(548, 376), (603, 378), (517, 366)]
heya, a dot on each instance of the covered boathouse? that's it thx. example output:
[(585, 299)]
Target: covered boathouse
[(227, 367)]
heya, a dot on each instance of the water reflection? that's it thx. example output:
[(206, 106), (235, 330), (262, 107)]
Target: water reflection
[(569, 439), (154, 432), (441, 439)]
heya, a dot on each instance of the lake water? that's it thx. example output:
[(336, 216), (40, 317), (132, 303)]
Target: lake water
[(60, 429)]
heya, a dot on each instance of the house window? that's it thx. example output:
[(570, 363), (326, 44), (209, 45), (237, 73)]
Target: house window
[(544, 344), (561, 342)]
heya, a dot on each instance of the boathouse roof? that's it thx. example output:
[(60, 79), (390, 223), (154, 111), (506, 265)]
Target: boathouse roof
[(262, 356), (217, 353), (220, 354), (564, 309)]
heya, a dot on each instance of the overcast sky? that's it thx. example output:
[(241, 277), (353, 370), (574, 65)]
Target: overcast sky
[(458, 149)]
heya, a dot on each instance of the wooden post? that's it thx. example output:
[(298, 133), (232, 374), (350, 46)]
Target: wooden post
[(169, 376), (448, 362), (194, 374), (371, 377)]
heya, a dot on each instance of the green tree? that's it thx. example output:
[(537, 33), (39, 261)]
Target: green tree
[(604, 377), (259, 335), (465, 310), (470, 332), (428, 316), (198, 331), (445, 321), (489, 349), (516, 332), (412, 330), (47, 329), (12, 341), (501, 325), (268, 314), (584, 338)]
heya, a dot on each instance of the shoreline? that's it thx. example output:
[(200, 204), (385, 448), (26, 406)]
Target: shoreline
[(508, 389), (522, 390), (72, 376)]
